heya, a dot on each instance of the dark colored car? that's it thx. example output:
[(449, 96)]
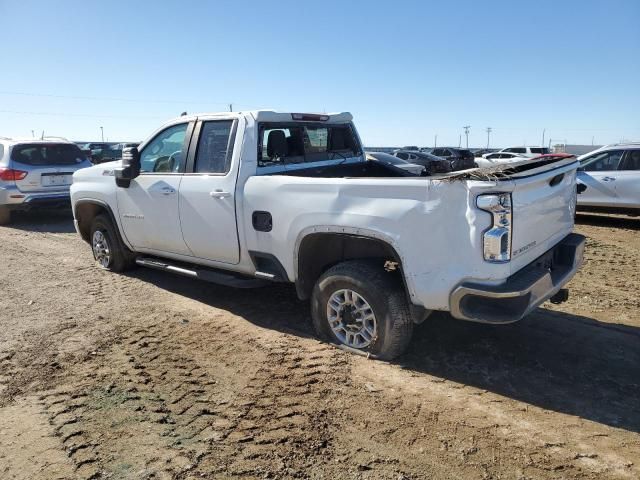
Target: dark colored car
[(460, 159), (431, 163)]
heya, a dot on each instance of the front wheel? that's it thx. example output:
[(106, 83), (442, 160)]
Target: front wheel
[(108, 250), (361, 306)]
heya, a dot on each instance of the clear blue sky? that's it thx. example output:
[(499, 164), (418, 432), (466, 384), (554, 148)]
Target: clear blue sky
[(406, 70)]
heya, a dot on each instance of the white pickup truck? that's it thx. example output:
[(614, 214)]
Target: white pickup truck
[(248, 198)]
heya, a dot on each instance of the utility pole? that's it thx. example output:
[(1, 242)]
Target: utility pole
[(33, 135), (435, 141), (466, 132), (231, 107), (543, 132), (102, 133), (460, 140), (488, 133)]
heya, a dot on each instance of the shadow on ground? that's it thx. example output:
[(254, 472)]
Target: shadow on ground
[(610, 221), (556, 361), (49, 221)]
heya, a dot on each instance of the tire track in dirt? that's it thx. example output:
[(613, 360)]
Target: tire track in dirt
[(255, 415)]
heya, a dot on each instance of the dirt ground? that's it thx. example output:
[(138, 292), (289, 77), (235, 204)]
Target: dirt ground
[(151, 376)]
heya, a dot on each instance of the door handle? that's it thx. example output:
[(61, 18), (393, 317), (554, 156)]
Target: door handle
[(608, 179), (219, 194), (168, 191)]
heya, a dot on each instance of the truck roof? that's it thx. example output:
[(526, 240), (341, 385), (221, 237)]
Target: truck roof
[(271, 116)]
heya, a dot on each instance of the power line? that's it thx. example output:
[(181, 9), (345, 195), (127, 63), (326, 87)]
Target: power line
[(119, 99), (58, 114)]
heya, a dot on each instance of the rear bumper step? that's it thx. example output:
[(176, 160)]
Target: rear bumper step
[(200, 273), (522, 292)]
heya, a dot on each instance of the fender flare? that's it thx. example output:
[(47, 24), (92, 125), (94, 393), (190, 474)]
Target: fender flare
[(107, 207), (354, 232)]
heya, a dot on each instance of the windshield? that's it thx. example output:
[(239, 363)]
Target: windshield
[(47, 154), (294, 143)]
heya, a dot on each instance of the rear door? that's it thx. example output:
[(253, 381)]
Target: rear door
[(148, 209), (628, 180), (49, 167), (599, 173), (207, 193)]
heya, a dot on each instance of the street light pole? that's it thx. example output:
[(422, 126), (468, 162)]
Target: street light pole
[(466, 133), (435, 141), (488, 133), (102, 133)]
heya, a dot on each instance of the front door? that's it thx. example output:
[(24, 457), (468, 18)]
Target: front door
[(207, 195), (148, 209), (599, 174), (628, 180)]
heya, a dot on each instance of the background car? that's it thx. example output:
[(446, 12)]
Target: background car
[(527, 151), (37, 173), (610, 179), (497, 158), (396, 162), (431, 163), (460, 159), (483, 151)]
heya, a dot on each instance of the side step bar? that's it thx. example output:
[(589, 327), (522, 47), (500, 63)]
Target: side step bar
[(201, 273)]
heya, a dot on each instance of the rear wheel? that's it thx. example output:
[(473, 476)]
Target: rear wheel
[(108, 250), (361, 306), (5, 215)]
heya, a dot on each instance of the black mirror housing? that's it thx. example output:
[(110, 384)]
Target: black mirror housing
[(130, 167)]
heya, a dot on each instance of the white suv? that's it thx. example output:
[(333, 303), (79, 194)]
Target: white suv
[(36, 173), (527, 151), (609, 179)]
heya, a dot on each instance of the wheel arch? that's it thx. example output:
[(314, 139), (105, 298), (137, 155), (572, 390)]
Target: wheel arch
[(318, 249), (84, 211)]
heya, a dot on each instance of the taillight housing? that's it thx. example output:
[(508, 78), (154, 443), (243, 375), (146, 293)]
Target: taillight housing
[(11, 175), (496, 241)]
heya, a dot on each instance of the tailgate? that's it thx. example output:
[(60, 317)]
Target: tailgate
[(543, 202)]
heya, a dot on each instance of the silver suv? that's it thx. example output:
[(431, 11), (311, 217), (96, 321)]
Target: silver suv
[(36, 173)]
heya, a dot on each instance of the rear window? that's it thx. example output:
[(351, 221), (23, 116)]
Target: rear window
[(282, 143), (541, 151), (47, 154)]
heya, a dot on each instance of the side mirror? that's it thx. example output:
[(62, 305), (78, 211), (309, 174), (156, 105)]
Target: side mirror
[(130, 168)]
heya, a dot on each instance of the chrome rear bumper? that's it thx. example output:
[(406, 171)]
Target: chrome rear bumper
[(523, 291)]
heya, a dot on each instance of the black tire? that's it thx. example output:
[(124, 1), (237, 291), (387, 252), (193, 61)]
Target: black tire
[(5, 215), (382, 290), (120, 257)]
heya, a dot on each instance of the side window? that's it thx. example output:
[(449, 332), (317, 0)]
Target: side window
[(402, 155), (165, 153), (603, 162), (631, 160), (412, 156), (436, 152), (214, 148)]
